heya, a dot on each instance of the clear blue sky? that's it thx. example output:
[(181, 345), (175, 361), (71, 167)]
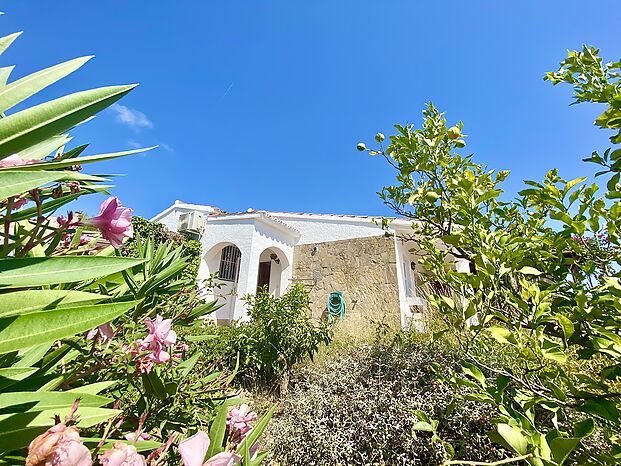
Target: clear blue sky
[(261, 103)]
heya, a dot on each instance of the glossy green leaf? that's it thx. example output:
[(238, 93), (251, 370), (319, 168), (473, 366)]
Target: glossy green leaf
[(36, 271), (18, 430), (601, 407), (513, 438), (529, 271), (36, 124), (566, 325), (27, 301), (38, 327), (502, 334), (29, 85), (561, 447)]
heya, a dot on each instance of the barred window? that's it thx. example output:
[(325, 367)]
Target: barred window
[(229, 263)]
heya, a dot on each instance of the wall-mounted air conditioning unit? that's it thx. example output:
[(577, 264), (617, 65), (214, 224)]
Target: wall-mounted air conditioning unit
[(191, 222)]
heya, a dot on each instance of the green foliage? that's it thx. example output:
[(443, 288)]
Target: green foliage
[(543, 281), (159, 234), (278, 334), (58, 281)]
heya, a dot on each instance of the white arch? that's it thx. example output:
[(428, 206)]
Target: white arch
[(280, 269), (225, 292)]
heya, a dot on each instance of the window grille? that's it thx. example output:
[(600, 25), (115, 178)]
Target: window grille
[(229, 263)]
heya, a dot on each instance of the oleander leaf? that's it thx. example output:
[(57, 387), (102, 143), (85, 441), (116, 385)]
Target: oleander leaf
[(27, 86), (37, 271), (28, 301), (41, 122), (17, 430), (78, 160), (39, 327)]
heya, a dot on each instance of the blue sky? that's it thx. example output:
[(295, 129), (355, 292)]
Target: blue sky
[(261, 104)]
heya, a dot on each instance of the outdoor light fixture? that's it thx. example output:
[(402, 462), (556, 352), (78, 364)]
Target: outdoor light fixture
[(275, 258)]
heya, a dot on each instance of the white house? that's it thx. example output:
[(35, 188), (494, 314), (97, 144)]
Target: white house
[(377, 274)]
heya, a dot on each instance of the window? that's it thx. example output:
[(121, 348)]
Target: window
[(229, 263)]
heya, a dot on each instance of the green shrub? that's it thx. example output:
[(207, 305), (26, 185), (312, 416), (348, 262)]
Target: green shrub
[(362, 408), (158, 232), (279, 334)]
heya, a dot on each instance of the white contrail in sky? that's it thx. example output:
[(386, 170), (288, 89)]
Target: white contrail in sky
[(227, 91)]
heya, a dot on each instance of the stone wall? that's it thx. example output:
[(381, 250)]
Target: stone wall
[(364, 269)]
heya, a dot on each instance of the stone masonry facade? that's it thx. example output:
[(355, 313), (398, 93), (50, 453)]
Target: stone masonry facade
[(364, 269)]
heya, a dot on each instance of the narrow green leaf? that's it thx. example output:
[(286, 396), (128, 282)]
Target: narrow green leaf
[(217, 431), (55, 204), (93, 388), (14, 182), (29, 85), (12, 375), (5, 72), (529, 271), (258, 429), (36, 124), (79, 160), (18, 430), (6, 41), (38, 327), (30, 356), (22, 402), (45, 148), (27, 301), (37, 271), (142, 445)]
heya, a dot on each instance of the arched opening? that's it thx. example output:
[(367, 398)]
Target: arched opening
[(223, 260), (273, 265)]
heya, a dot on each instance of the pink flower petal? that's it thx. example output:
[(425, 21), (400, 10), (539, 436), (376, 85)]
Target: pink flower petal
[(223, 459), (194, 449)]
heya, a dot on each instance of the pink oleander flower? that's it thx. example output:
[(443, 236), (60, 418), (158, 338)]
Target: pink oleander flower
[(59, 446), (122, 454), (15, 161), (114, 222), (134, 437), (155, 343), (160, 331), (104, 331), (194, 449), (238, 423)]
